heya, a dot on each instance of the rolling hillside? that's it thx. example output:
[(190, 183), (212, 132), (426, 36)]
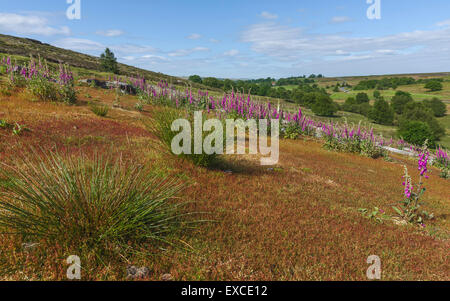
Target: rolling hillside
[(25, 47)]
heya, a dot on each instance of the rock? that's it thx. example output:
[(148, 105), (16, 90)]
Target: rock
[(29, 246), (167, 277), (124, 87), (137, 273)]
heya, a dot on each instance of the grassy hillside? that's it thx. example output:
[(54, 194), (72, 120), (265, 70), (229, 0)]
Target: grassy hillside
[(23, 48), (296, 221)]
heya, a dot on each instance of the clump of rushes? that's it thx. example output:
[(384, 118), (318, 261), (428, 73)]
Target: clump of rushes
[(97, 204), (99, 109), (443, 162), (409, 209), (161, 127)]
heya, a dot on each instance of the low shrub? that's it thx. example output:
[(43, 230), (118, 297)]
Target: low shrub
[(42, 89), (77, 202), (356, 145), (99, 109), (161, 127), (416, 132)]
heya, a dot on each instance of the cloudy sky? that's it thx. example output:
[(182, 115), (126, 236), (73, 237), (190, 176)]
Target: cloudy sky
[(246, 38)]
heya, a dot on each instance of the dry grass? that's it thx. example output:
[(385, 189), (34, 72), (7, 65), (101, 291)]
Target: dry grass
[(299, 221)]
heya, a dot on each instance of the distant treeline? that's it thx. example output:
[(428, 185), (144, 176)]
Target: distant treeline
[(269, 87), (391, 83)]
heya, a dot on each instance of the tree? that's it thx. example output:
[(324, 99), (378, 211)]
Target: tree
[(437, 106), (108, 62), (213, 82), (433, 85), (195, 79), (416, 132), (324, 106), (376, 94), (381, 112), (416, 111), (400, 100), (362, 98)]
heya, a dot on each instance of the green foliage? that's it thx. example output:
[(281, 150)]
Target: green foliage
[(212, 82), (437, 106), (376, 94), (400, 100), (384, 83), (381, 112), (433, 86), (139, 106), (362, 98), (417, 111), (324, 106), (67, 93), (351, 105), (291, 131), (195, 79), (99, 109), (355, 145), (108, 62), (100, 204), (409, 208), (376, 214), (161, 127), (6, 90), (42, 89), (416, 132)]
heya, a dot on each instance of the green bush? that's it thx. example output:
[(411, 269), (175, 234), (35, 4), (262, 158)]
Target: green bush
[(161, 127), (99, 110), (355, 145), (362, 98), (417, 111), (438, 107), (400, 100), (99, 204), (67, 94), (42, 89), (381, 112), (416, 132), (433, 86), (324, 106)]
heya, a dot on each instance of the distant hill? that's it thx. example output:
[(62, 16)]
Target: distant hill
[(26, 47)]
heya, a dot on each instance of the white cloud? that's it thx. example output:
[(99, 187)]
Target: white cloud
[(292, 44), (232, 52), (110, 33), (444, 23), (214, 41), (186, 52), (80, 44), (29, 25), (339, 19), (269, 16), (194, 36), (132, 48), (157, 57)]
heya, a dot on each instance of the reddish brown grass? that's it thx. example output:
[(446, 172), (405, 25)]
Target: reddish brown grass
[(299, 221)]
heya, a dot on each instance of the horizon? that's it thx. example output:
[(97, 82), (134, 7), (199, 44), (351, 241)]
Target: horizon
[(267, 40)]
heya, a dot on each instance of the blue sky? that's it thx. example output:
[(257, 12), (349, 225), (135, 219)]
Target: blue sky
[(246, 38)]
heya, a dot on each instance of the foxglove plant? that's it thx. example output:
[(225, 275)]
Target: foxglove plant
[(408, 209)]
